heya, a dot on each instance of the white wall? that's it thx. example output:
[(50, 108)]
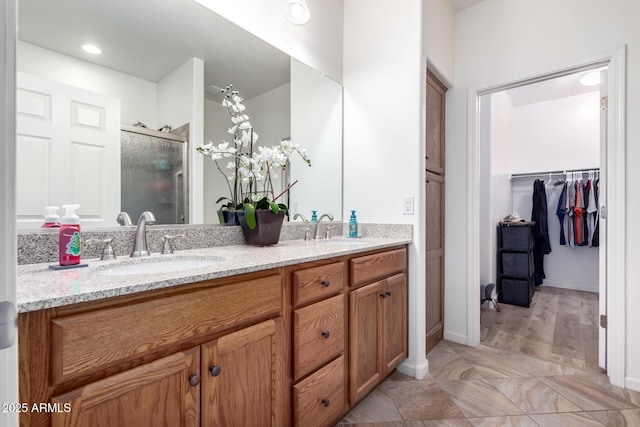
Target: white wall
[(138, 96), (316, 124), (384, 87), (317, 44), (180, 101), (438, 25), (499, 41), (563, 134), (496, 200)]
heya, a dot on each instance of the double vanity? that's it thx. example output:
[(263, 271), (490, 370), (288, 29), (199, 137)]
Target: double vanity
[(293, 334)]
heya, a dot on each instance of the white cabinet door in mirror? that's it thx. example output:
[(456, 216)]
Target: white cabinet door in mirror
[(68, 147)]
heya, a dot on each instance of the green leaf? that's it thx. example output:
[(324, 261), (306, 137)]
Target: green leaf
[(274, 207), (250, 215), (223, 198), (284, 208)]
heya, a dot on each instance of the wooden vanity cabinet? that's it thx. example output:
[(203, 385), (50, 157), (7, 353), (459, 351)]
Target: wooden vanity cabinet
[(298, 345), (318, 343), (377, 320), (200, 354)]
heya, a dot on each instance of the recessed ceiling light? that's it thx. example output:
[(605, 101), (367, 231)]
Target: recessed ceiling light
[(591, 78), (91, 48), (296, 11)]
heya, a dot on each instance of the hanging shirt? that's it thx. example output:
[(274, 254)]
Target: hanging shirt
[(570, 217), (560, 212), (595, 241), (578, 214)]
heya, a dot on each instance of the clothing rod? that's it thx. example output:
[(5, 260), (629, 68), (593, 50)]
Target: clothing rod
[(538, 174)]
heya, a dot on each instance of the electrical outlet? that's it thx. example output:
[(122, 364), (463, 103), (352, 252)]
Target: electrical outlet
[(407, 205), (294, 206)]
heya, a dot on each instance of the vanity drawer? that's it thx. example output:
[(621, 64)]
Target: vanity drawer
[(371, 267), (312, 284), (318, 334), (320, 399), (90, 341)]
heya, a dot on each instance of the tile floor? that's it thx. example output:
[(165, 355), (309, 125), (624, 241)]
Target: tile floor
[(490, 386)]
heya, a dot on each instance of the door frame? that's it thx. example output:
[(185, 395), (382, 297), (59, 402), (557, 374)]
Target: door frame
[(615, 183), (8, 240)]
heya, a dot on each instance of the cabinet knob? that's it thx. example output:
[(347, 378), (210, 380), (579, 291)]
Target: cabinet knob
[(383, 295), (388, 293), (325, 283), (215, 370), (194, 380), (326, 334), (325, 403)]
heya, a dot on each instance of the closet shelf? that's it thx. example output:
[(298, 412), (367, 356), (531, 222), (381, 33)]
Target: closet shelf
[(547, 173)]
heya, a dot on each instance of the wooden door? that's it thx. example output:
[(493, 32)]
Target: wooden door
[(241, 383), (435, 168), (394, 322), (67, 150), (364, 340), (156, 394), (435, 124), (435, 260)]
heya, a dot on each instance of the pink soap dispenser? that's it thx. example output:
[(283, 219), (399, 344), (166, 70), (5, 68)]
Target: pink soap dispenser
[(69, 236), (51, 219)]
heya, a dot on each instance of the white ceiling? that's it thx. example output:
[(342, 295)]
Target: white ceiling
[(151, 38), (547, 90)]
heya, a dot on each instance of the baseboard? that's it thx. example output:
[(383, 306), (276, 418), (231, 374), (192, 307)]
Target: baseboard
[(455, 337), (632, 383), (573, 286), (418, 371)]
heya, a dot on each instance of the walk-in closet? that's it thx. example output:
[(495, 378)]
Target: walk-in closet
[(541, 147)]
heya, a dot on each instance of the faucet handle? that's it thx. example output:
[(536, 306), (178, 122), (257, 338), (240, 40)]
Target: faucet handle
[(306, 233), (327, 234), (167, 246), (107, 250)]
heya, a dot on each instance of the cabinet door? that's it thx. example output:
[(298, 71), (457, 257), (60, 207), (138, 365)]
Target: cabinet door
[(156, 394), (435, 260), (435, 124), (364, 340), (242, 373), (394, 322)]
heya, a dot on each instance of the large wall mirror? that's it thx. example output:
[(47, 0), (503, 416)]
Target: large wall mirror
[(162, 63)]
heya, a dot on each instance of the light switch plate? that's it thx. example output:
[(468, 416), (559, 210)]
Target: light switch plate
[(407, 205)]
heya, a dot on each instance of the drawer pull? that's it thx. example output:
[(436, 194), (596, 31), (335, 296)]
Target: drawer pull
[(194, 380), (325, 283), (388, 293), (326, 334), (383, 295), (215, 370), (325, 403)]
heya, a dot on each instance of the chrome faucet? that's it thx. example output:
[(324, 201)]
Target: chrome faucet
[(140, 248), (123, 219), (323, 216), (299, 215)]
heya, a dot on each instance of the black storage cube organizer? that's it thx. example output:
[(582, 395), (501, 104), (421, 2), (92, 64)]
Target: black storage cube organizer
[(516, 291), (515, 263)]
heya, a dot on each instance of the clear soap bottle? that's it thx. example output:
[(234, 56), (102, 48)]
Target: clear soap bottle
[(353, 225)]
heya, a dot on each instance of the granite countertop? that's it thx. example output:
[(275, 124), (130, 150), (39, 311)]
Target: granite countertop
[(41, 288)]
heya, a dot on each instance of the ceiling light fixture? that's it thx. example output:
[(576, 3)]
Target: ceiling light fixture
[(91, 48), (296, 11), (591, 78)]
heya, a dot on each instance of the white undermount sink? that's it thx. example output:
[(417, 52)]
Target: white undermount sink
[(157, 266)]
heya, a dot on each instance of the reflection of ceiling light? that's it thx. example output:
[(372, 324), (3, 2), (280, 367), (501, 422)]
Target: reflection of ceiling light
[(590, 79), (91, 48), (296, 11)]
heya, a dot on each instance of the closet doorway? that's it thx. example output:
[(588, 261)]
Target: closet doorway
[(611, 257), (545, 135)]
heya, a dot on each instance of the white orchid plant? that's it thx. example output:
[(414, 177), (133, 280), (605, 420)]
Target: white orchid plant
[(250, 172)]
